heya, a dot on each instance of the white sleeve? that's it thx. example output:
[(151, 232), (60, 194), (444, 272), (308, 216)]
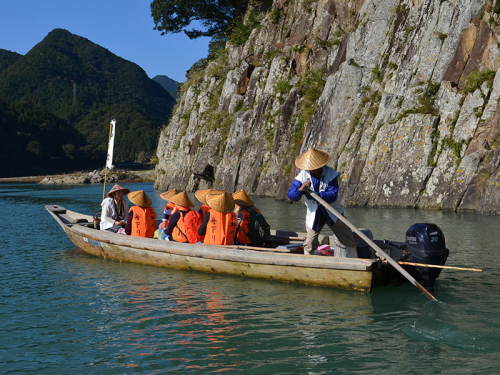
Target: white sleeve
[(106, 211), (303, 176)]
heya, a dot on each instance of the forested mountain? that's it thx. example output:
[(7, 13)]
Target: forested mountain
[(85, 85), (37, 142), (168, 84), (7, 58)]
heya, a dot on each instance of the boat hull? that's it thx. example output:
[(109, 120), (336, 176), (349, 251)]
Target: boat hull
[(270, 264)]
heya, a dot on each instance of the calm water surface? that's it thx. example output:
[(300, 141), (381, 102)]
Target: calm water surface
[(63, 312)]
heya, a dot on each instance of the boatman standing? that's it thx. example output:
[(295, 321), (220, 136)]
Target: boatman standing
[(317, 176)]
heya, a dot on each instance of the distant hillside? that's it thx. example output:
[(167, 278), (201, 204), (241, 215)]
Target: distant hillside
[(37, 142), (168, 84), (86, 85), (7, 58)]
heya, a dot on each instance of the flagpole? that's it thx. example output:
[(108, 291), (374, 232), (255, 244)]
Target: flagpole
[(111, 125)]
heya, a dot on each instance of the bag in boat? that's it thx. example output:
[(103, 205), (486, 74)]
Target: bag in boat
[(326, 250), (341, 250), (97, 220), (260, 230)]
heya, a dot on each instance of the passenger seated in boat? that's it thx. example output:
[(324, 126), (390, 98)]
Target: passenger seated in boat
[(141, 219), (321, 178), (168, 208), (201, 195), (252, 227), (114, 209), (220, 223), (184, 222)]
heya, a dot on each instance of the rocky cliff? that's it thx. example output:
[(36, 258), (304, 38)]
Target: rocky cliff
[(403, 94)]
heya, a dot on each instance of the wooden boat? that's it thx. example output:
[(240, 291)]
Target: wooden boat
[(264, 263)]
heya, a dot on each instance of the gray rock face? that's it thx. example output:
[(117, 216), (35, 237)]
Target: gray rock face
[(403, 95)]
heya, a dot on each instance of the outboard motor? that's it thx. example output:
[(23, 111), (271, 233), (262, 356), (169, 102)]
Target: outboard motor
[(426, 244)]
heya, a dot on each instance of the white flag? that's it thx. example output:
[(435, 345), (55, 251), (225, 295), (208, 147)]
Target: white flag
[(109, 157)]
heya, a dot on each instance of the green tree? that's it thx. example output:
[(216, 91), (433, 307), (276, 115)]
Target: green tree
[(174, 16), (34, 148), (69, 150)]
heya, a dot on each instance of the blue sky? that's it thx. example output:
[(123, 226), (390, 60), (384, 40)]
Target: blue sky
[(124, 27)]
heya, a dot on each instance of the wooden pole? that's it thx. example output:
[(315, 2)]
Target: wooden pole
[(106, 167), (438, 266), (288, 237), (268, 249), (378, 250), (104, 188)]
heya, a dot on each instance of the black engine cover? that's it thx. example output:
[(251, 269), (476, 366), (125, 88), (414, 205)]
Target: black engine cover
[(426, 244)]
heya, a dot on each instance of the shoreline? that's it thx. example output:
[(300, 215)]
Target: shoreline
[(84, 177), (37, 179)]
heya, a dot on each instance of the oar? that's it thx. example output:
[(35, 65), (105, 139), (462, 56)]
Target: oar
[(437, 266), (378, 250)]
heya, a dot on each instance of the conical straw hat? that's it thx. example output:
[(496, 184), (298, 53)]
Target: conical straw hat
[(312, 159), (201, 195), (140, 198), (242, 199), (182, 199), (166, 195), (116, 188), (221, 201)]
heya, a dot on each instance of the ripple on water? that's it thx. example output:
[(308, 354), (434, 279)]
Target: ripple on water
[(446, 324)]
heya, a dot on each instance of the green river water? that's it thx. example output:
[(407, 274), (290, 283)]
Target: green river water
[(64, 312)]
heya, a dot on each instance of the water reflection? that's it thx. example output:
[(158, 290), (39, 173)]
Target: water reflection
[(210, 321)]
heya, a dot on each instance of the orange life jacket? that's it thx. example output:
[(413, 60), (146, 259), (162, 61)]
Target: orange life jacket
[(243, 228), (170, 205), (186, 228), (204, 209), (221, 228), (173, 208), (143, 221)]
